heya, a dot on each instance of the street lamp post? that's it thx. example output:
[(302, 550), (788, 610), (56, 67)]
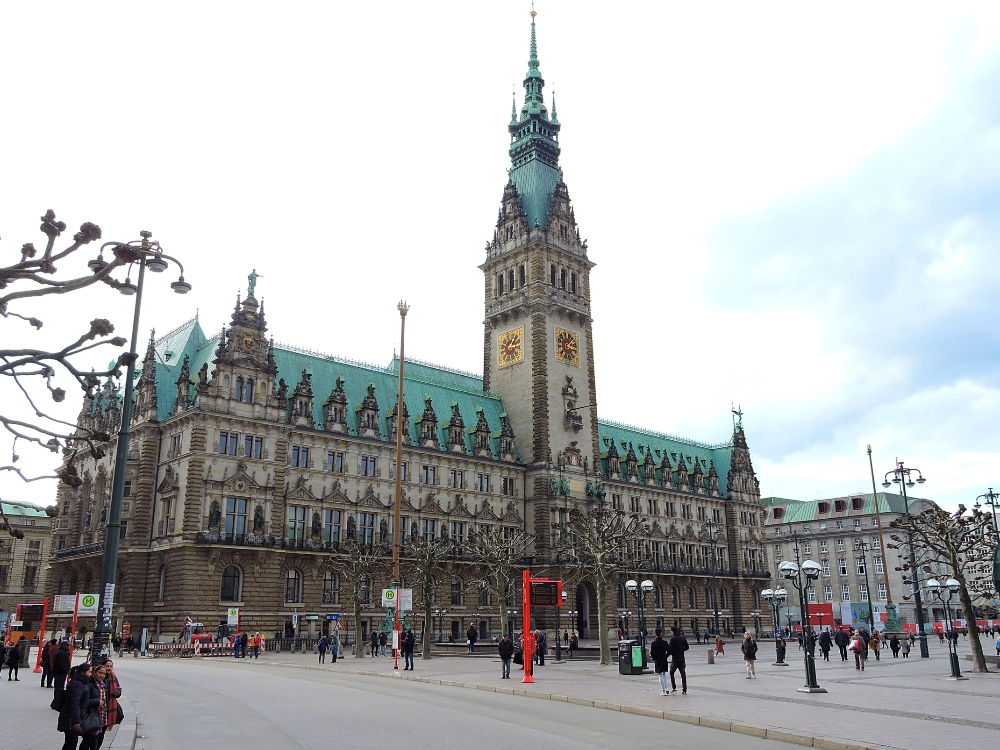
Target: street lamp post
[(559, 659), (151, 256), (511, 614), (793, 573), (624, 615), (991, 499), (901, 475), (710, 528), (639, 591), (951, 587), (862, 547), (440, 613), (775, 598), (756, 624)]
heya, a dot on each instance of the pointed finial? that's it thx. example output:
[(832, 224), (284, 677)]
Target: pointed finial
[(555, 118), (513, 105)]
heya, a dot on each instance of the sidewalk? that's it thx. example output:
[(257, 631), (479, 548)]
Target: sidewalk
[(895, 703)]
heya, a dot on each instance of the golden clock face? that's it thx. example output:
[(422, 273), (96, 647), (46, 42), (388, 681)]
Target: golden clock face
[(510, 347), (248, 343), (567, 346)]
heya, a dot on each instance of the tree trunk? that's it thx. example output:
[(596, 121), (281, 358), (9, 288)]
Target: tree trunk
[(359, 647), (602, 626), (425, 649), (978, 659)]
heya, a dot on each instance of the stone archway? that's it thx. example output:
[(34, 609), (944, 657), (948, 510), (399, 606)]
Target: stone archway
[(586, 606)]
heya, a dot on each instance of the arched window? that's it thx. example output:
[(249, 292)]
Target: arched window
[(691, 602), (456, 593), (331, 588), (621, 596), (232, 584), (293, 586), (659, 597), (248, 391), (161, 591), (708, 598), (484, 598), (500, 284), (755, 597), (239, 389), (675, 597)]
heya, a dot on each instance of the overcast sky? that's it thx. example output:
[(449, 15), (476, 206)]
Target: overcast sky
[(792, 207)]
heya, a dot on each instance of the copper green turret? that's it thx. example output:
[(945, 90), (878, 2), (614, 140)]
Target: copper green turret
[(534, 148)]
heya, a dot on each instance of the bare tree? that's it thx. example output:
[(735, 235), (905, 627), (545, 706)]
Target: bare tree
[(359, 564), (424, 561), (593, 547), (499, 558), (33, 277), (957, 541)]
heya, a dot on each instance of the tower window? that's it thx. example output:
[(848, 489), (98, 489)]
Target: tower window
[(572, 283), (552, 275), (239, 389), (248, 391), (510, 278), (562, 279), (523, 274), (562, 231), (500, 284)]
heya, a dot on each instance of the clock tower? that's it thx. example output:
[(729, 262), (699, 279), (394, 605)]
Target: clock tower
[(538, 341)]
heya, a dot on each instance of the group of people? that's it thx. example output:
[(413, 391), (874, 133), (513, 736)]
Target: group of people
[(328, 644), (862, 644), (668, 658), (243, 642), (513, 653)]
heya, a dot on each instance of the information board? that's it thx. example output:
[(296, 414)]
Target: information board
[(545, 594)]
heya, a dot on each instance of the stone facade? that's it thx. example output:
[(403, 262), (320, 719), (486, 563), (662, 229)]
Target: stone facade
[(23, 562), (252, 462)]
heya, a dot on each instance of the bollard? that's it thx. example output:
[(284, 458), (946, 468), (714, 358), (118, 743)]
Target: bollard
[(711, 656)]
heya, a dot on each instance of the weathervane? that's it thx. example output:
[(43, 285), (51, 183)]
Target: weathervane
[(737, 417)]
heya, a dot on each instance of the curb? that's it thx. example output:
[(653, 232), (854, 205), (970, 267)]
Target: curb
[(794, 738), (128, 730)]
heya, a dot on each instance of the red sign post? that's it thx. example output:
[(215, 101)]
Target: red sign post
[(546, 593)]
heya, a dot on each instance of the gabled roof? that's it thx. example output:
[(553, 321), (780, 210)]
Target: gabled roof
[(800, 511)]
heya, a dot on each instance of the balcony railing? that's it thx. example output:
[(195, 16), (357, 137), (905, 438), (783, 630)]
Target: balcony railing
[(86, 549)]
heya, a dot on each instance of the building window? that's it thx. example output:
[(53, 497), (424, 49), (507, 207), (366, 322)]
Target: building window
[(484, 594), (824, 507), (428, 475), (876, 542), (671, 511), (635, 504), (227, 442), (845, 592), (61, 543), (621, 596), (369, 466), (457, 532), (811, 594), (457, 479), (842, 566), (510, 279), (572, 283), (826, 568), (366, 590), (236, 515), (127, 491), (509, 487), (616, 501), (331, 526), (331, 588), (879, 567), (806, 548), (335, 461), (840, 525), (239, 389), (857, 524), (122, 530), (778, 553), (822, 546), (500, 284), (232, 579), (702, 514), (675, 597), (651, 506), (248, 391), (828, 593), (482, 482), (293, 586), (522, 272), (863, 592), (881, 592), (161, 590), (562, 278), (366, 528), (30, 578), (429, 529), (456, 593), (840, 545), (686, 512), (300, 457), (552, 275), (859, 563), (406, 471), (296, 522)]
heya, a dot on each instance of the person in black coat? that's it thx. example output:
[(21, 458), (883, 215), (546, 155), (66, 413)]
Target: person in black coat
[(841, 638), (825, 644), (14, 661), (677, 645), (408, 644), (659, 652), (82, 696), (506, 650), (59, 671)]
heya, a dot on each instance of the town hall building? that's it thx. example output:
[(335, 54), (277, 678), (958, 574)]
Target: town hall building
[(251, 463)]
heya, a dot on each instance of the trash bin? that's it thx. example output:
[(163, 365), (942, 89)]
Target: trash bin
[(629, 657)]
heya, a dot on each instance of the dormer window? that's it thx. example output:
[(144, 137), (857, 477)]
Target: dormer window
[(857, 503)]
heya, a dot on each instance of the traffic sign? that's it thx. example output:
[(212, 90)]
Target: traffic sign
[(88, 604), (233, 616), (399, 598), (388, 597)]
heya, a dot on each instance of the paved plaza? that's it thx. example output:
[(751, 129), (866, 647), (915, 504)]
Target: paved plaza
[(290, 701)]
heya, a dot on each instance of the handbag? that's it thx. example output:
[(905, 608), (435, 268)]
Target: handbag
[(119, 714), (91, 723)]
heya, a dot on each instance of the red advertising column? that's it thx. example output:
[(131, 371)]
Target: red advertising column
[(41, 636), (529, 637)]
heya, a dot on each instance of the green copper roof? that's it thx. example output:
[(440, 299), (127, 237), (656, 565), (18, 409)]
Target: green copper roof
[(658, 443), (28, 510), (534, 149), (799, 511), (421, 380)]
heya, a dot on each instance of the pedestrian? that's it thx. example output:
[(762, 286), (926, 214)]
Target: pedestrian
[(782, 647), (541, 643), (323, 644), (905, 648), (842, 639), (566, 638), (574, 644), (44, 661), (409, 643), (244, 642), (749, 649), (59, 674), (92, 740), (659, 652), (115, 712), (857, 647), (258, 644), (998, 645), (14, 660), (236, 646), (373, 643), (383, 639), (334, 647), (677, 645), (720, 647), (77, 703), (506, 650), (825, 644), (875, 644), (894, 646), (471, 636)]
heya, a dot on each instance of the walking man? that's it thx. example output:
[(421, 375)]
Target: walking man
[(749, 649), (842, 639), (60, 672), (373, 642), (540, 645), (323, 644), (825, 644), (383, 639), (471, 636), (677, 645), (48, 651), (506, 650), (660, 654), (409, 642)]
